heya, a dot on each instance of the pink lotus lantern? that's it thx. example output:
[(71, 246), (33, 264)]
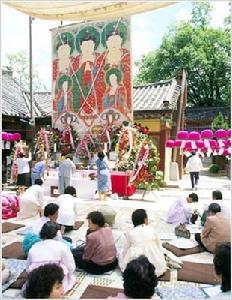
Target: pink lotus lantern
[(183, 136), (227, 145), (206, 135), (221, 135), (194, 136), (10, 137), (17, 136), (200, 144), (226, 152), (177, 143), (229, 133), (170, 144), (4, 136)]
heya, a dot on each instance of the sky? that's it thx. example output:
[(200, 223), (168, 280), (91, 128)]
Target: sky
[(147, 30)]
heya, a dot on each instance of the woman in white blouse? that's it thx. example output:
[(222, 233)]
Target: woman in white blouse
[(67, 214), (50, 250), (142, 240), (23, 177)]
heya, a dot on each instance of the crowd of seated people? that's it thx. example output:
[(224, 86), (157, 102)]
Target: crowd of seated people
[(51, 264)]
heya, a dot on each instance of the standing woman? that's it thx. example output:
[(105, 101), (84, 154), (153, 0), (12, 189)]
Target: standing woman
[(23, 179), (103, 175)]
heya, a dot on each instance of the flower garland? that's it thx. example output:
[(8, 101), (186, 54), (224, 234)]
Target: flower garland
[(142, 158)]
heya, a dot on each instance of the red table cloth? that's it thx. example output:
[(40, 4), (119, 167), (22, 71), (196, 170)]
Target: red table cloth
[(121, 185)]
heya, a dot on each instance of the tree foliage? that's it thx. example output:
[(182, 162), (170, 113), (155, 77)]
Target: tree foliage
[(219, 123), (18, 63), (204, 52)]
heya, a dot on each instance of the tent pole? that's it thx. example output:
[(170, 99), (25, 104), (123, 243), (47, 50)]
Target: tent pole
[(31, 87)]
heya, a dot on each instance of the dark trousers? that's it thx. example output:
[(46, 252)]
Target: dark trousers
[(198, 239), (90, 266), (194, 176)]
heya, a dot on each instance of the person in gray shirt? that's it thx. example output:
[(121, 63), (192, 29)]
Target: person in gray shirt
[(66, 169)]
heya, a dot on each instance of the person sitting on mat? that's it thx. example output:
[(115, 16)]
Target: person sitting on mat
[(222, 266), (45, 282), (216, 229), (99, 253), (50, 214), (139, 279), (142, 239), (180, 211), (68, 211), (217, 198), (31, 202), (49, 250)]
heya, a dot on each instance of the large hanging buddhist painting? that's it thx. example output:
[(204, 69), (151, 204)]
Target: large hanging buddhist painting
[(92, 77)]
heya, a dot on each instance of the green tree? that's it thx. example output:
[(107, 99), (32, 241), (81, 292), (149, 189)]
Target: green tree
[(219, 123), (202, 51), (18, 63)]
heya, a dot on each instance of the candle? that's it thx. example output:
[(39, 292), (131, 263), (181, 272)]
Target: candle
[(54, 147), (45, 155)]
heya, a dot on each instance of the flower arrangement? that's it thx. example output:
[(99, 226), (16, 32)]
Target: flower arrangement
[(142, 159)]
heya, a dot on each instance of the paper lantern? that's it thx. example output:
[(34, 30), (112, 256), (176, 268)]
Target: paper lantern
[(221, 134), (183, 135), (207, 134), (170, 144), (200, 144), (229, 133), (194, 136), (17, 136), (188, 145), (227, 143), (226, 152), (4, 136), (10, 137), (213, 144), (177, 143)]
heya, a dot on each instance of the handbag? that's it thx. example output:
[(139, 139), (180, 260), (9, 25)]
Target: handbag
[(182, 231)]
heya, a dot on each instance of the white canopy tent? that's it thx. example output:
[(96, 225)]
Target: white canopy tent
[(84, 10)]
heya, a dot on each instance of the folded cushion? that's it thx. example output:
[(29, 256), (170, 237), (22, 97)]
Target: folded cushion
[(99, 292), (197, 272), (18, 284), (14, 250), (182, 252), (7, 227)]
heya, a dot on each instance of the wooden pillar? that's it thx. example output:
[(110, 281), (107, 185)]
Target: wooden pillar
[(164, 136)]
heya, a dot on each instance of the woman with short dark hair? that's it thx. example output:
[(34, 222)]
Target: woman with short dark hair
[(139, 279), (45, 282), (142, 240), (99, 254), (50, 250)]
